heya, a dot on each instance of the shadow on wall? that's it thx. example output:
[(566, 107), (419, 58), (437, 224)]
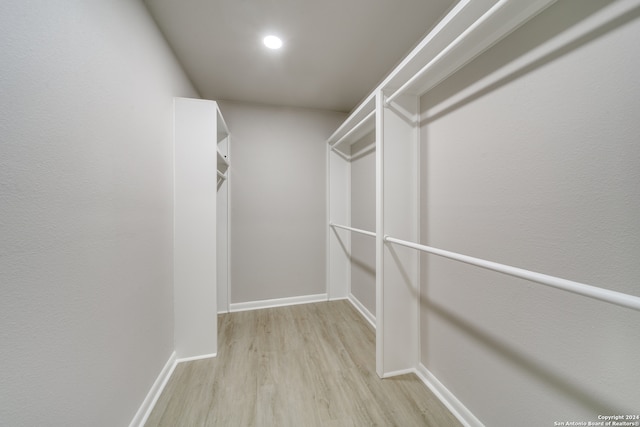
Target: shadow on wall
[(364, 266), (341, 242), (500, 348), (563, 17), (356, 261), (568, 26), (523, 363)]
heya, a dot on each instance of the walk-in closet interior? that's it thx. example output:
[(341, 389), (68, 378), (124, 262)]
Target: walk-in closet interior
[(196, 233)]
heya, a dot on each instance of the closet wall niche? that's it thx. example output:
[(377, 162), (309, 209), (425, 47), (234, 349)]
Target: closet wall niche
[(363, 216), (352, 212)]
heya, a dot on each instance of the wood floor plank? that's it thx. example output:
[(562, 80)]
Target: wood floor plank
[(305, 365)]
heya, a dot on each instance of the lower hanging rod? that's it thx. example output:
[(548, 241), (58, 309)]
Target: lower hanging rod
[(357, 230), (606, 295)]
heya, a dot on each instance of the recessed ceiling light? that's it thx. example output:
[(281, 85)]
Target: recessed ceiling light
[(272, 42)]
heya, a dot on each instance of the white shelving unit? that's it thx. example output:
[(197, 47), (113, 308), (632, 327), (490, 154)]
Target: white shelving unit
[(466, 32), (222, 163), (222, 138), (469, 29), (222, 236), (201, 142)]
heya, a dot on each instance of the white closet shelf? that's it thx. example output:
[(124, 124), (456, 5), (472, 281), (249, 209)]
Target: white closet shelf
[(358, 124), (467, 31), (222, 135), (223, 163), (222, 129), (360, 129)]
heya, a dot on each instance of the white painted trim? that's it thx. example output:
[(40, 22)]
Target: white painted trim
[(338, 299), (363, 310), (448, 399), (191, 359), (399, 372), (154, 393), (277, 302), (158, 386)]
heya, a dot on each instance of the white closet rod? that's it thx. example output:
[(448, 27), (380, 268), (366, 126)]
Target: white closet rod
[(606, 295), (353, 129), (357, 230), (494, 9)]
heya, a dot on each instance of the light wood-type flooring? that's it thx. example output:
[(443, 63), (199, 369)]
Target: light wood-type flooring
[(304, 365)]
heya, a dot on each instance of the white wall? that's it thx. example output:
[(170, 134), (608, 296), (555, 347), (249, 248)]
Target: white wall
[(363, 216), (278, 194), (530, 157), (85, 210)]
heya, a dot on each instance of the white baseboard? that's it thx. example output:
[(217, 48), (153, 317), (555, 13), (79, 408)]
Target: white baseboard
[(398, 372), (154, 393), (448, 399), (192, 358), (363, 310), (278, 302), (158, 386)]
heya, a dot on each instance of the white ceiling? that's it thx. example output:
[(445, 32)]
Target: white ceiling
[(335, 51)]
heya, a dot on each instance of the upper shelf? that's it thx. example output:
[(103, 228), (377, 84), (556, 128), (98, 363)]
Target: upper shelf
[(223, 163), (357, 125), (469, 29), (222, 128), (359, 130), (222, 148)]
